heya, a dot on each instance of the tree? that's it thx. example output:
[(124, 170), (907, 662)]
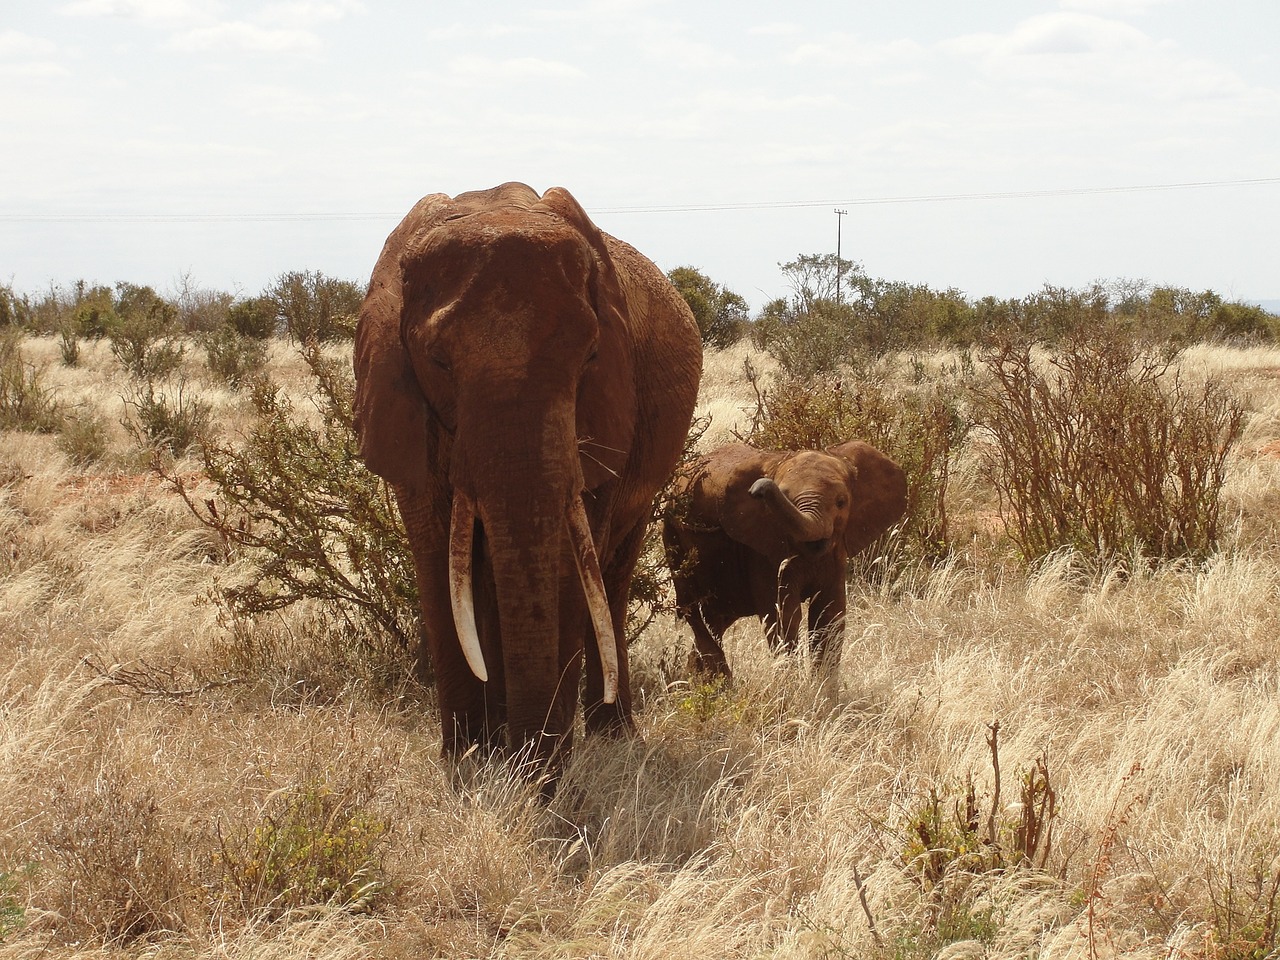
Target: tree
[(254, 318), (818, 277), (316, 308), (721, 313)]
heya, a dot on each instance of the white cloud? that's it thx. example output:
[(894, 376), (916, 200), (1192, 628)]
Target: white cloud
[(22, 55), (248, 37), (199, 25), (1053, 33), (518, 68), (848, 50), (161, 10), (1114, 8), (33, 71), (689, 53), (776, 29), (295, 12), (1067, 58), (15, 45)]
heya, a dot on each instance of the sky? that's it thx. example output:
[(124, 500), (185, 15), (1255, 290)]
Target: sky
[(991, 147)]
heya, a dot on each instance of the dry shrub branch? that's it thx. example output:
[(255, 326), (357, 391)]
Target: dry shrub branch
[(1104, 448), (294, 500)]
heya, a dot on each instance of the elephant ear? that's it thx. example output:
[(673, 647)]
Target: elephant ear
[(743, 517), (390, 410), (878, 494), (607, 397)]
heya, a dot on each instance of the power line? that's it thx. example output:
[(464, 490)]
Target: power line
[(668, 208), (943, 198), (189, 217)]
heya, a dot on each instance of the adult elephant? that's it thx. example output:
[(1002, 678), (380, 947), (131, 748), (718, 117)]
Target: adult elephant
[(524, 383), (760, 532)]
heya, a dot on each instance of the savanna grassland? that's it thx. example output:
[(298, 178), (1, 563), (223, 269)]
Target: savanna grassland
[(1060, 758)]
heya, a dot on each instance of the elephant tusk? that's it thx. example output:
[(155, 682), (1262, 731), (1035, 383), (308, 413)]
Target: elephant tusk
[(584, 553), (460, 593)]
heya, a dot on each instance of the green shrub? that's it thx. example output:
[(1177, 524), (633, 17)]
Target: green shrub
[(296, 501), (69, 347), (816, 342), (950, 843), (145, 336), (1181, 317), (170, 420), (93, 311), (720, 313), (920, 427), (25, 403), (312, 845), (83, 438), (233, 357), (13, 913), (1104, 447), (15, 309), (254, 317), (892, 315), (198, 310), (315, 308)]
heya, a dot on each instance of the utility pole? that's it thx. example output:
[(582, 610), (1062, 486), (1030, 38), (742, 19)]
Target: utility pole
[(840, 215)]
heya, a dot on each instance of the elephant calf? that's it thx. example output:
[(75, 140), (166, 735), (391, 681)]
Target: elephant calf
[(760, 532)]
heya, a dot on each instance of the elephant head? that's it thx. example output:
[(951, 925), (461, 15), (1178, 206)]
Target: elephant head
[(805, 503), (496, 391), (808, 497)]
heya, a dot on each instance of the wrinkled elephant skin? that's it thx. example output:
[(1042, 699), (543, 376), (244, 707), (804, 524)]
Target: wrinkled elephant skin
[(524, 383), (761, 532)]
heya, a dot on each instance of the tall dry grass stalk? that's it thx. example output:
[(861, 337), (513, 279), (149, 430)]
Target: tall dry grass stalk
[(150, 751)]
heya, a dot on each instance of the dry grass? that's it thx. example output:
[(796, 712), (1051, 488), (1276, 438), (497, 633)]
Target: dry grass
[(149, 751)]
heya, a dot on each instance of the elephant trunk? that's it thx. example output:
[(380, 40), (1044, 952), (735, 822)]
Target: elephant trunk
[(589, 576), (517, 476), (801, 526)]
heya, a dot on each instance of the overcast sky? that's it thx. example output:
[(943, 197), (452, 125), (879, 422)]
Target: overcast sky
[(231, 141)]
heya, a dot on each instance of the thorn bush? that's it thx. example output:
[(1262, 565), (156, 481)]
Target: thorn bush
[(313, 845), (1104, 447), (25, 402), (295, 502), (166, 420)]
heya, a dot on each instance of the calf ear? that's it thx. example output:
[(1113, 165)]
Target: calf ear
[(877, 494), (390, 410)]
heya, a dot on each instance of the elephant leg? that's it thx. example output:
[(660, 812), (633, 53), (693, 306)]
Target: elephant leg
[(826, 624), (696, 603), (707, 656), (485, 595), (615, 718), (782, 625)]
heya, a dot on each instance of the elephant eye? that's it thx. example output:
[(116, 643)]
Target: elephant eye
[(440, 361), (841, 502)]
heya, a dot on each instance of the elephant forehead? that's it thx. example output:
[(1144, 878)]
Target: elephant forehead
[(811, 467), (503, 293), (503, 247)]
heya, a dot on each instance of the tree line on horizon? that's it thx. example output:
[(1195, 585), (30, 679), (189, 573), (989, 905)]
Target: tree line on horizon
[(835, 310)]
